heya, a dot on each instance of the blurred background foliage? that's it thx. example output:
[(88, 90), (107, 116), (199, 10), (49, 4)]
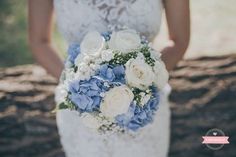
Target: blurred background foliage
[(13, 34)]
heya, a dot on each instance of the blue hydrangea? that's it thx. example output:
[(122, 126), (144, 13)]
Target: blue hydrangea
[(73, 52), (106, 73), (106, 35), (86, 94), (112, 74), (138, 116)]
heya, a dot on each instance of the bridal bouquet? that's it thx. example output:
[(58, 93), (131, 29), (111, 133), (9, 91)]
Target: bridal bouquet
[(113, 80)]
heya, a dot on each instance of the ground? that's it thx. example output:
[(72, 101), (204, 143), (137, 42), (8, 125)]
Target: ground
[(203, 97)]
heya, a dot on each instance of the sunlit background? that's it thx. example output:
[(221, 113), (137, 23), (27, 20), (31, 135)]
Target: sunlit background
[(212, 28), (213, 31)]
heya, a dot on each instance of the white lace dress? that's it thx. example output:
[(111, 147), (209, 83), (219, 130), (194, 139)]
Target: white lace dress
[(75, 18)]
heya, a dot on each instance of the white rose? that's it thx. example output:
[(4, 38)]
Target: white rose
[(116, 101), (107, 55), (124, 41), (138, 73), (162, 75), (90, 121), (60, 93), (92, 44)]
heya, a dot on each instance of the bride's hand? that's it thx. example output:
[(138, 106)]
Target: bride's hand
[(40, 19), (178, 20)]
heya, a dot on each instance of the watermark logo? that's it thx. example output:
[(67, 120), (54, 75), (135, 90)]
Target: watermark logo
[(215, 139)]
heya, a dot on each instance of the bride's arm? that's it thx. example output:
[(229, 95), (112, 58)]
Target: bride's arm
[(178, 21), (40, 24)]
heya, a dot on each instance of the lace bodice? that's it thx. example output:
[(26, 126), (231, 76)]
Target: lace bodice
[(76, 17)]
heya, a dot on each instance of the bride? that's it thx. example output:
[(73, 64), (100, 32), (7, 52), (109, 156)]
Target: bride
[(75, 18)]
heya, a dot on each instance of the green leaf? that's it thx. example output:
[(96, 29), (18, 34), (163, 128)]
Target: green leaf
[(62, 106)]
